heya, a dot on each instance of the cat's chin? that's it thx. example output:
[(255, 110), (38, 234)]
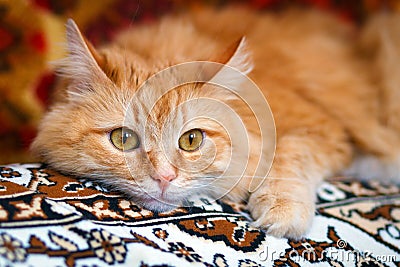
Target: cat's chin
[(158, 205)]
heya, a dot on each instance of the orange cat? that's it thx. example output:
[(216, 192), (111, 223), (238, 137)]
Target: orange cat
[(333, 97)]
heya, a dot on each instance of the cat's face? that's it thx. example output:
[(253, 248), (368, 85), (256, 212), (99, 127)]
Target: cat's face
[(165, 152), (158, 145)]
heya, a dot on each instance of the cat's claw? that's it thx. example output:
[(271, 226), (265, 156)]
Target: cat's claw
[(285, 218)]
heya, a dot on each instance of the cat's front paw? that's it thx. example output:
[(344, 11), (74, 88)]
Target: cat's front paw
[(282, 217)]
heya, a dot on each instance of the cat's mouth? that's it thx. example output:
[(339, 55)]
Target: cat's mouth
[(164, 198), (160, 204)]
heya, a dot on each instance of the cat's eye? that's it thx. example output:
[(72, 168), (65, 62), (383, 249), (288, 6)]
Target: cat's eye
[(191, 140), (124, 139)]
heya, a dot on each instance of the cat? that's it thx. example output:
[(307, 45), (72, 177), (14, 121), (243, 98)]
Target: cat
[(332, 89)]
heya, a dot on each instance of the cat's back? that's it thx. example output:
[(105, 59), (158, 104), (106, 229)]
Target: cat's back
[(301, 51), (202, 34)]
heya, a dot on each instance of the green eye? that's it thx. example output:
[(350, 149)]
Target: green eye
[(191, 140), (124, 139)]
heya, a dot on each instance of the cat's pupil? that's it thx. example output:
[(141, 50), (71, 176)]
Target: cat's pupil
[(191, 138), (125, 136)]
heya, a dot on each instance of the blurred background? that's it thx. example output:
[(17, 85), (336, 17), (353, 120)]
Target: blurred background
[(32, 33)]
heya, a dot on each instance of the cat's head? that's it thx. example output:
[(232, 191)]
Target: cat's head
[(119, 124)]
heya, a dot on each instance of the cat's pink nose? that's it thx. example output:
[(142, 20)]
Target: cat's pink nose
[(164, 177), (168, 176)]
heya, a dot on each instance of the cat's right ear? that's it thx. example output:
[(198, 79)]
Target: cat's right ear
[(235, 64), (82, 65)]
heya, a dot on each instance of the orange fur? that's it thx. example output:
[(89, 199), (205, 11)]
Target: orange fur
[(325, 103)]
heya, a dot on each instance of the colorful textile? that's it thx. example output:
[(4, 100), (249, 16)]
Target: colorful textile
[(47, 219)]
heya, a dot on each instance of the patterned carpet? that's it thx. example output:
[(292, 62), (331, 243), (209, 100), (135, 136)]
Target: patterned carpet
[(48, 219)]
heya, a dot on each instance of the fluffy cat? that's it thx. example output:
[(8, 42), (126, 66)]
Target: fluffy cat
[(333, 97)]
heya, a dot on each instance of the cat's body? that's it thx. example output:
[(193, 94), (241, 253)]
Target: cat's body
[(326, 103)]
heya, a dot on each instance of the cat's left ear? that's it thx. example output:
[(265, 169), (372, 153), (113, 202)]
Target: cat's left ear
[(83, 63), (237, 64)]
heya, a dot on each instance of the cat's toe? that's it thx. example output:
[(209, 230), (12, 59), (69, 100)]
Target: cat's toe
[(284, 218)]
